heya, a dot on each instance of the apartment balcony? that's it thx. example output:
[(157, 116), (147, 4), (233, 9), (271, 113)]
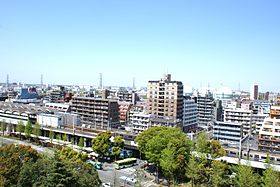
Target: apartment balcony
[(229, 133), (227, 137), (227, 128)]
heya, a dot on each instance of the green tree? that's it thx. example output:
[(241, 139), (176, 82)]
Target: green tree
[(33, 174), (245, 177), (3, 127), (12, 158), (197, 170), (28, 129), (219, 174), (54, 171), (213, 147), (75, 161), (58, 138), (216, 149), (20, 128), (102, 143), (169, 164), (64, 137), (51, 135), (145, 136), (86, 174), (59, 175), (36, 131), (81, 142), (117, 146), (270, 177), (67, 154), (201, 143), (155, 141)]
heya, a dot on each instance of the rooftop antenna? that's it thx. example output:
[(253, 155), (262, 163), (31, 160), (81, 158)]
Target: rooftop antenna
[(41, 80), (238, 86), (100, 81), (7, 82), (133, 86)]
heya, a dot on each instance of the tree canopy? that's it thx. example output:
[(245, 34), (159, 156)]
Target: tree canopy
[(213, 147), (20, 128), (245, 177), (168, 148), (118, 145), (28, 129), (3, 126), (12, 158), (36, 130), (22, 166), (102, 143)]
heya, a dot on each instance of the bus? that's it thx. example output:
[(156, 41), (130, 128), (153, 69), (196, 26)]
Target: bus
[(128, 162)]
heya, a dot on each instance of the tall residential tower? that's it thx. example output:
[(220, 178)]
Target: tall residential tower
[(165, 98)]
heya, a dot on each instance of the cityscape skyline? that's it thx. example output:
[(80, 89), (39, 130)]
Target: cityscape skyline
[(199, 43)]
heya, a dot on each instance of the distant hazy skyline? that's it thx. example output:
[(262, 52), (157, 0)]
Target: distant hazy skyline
[(199, 42)]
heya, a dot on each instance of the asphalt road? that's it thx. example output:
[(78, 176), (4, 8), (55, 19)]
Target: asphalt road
[(110, 175), (40, 149)]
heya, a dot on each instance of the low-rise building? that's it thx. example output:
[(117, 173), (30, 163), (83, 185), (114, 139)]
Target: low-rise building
[(58, 120)]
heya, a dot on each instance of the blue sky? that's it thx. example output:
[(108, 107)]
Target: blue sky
[(199, 42)]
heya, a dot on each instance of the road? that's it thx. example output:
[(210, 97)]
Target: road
[(40, 149), (110, 175)]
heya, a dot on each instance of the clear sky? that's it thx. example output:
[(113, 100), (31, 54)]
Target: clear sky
[(220, 42)]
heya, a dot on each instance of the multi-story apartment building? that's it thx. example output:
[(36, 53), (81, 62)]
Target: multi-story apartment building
[(205, 107), (127, 96), (96, 112), (189, 114), (124, 108), (140, 121), (269, 135), (228, 132), (257, 121), (241, 116), (165, 98)]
